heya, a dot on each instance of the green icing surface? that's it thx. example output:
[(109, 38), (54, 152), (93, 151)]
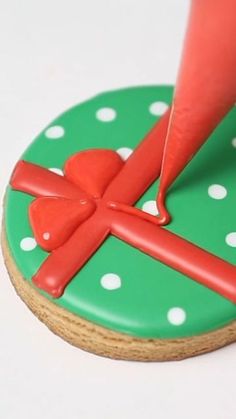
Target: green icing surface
[(148, 288)]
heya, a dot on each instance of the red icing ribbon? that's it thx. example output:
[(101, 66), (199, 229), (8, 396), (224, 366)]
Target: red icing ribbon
[(205, 89), (73, 215)]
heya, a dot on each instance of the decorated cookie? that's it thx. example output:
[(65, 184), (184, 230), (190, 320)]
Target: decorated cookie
[(82, 244)]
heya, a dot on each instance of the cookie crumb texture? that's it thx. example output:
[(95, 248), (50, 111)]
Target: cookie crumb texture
[(123, 303)]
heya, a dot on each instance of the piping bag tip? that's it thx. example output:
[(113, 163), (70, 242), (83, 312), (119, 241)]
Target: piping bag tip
[(164, 217)]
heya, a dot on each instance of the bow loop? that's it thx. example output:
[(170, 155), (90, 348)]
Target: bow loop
[(93, 170), (54, 220)]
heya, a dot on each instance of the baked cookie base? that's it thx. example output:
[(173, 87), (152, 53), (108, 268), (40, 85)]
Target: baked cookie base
[(101, 341)]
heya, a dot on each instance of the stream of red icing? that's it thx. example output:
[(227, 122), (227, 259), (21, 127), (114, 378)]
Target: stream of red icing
[(205, 89), (101, 204)]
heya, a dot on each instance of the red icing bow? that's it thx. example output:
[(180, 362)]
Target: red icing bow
[(73, 214), (54, 219)]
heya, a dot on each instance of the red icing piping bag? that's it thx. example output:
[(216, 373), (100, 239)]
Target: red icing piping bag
[(205, 89)]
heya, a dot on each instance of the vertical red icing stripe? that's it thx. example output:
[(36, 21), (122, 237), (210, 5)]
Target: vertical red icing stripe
[(142, 167), (63, 263)]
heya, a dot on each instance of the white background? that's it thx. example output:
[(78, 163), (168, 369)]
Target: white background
[(54, 54)]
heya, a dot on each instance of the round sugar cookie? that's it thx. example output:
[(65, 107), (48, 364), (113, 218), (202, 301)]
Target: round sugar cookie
[(80, 240)]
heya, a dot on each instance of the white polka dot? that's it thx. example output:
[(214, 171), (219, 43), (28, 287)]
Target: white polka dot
[(217, 191), (150, 207), (28, 243), (106, 114), (124, 152), (231, 239), (56, 170), (111, 281), (176, 316), (158, 108), (55, 132), (234, 142), (46, 236)]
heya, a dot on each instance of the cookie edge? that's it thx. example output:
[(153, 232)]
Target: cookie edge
[(101, 341)]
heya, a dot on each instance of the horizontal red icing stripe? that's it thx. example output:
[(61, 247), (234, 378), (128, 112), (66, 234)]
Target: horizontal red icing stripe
[(40, 182), (176, 252)]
